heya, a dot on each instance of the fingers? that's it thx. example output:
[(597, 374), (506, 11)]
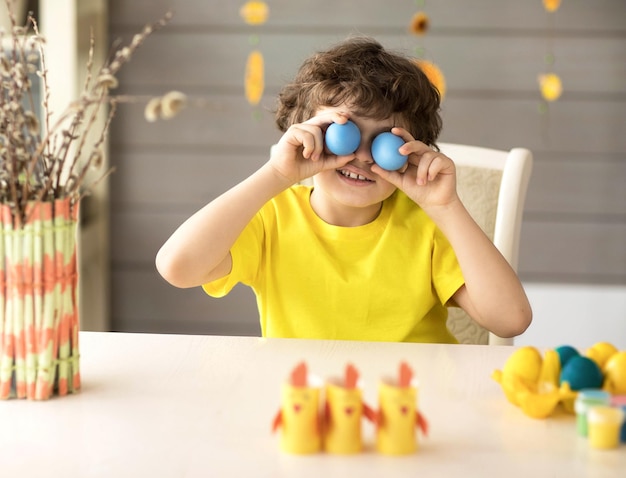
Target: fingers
[(310, 134), (428, 161), (325, 118), (309, 137), (424, 163), (430, 165), (404, 134)]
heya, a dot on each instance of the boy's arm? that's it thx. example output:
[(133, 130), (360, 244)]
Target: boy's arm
[(199, 250), (493, 294)]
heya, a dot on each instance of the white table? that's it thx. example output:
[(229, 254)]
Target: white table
[(202, 406)]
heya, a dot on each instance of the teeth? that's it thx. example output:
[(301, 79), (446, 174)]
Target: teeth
[(351, 175)]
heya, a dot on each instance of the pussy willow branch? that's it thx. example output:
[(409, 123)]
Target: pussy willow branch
[(77, 109), (85, 133), (97, 145), (13, 91), (45, 143), (52, 160)]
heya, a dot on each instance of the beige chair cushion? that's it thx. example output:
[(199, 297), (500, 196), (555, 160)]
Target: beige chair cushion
[(478, 188)]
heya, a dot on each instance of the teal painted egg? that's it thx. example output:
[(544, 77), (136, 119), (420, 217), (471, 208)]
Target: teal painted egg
[(566, 352), (581, 372)]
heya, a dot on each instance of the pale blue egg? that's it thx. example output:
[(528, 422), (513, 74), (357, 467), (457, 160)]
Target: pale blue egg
[(385, 151), (342, 139)]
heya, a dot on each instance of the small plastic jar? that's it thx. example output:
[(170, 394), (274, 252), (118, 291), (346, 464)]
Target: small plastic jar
[(619, 401), (604, 425), (587, 398)]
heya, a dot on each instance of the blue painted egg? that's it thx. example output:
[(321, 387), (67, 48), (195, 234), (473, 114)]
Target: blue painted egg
[(385, 151), (342, 139), (581, 372)]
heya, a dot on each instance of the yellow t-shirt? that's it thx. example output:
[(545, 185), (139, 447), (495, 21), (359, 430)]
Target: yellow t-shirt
[(388, 280)]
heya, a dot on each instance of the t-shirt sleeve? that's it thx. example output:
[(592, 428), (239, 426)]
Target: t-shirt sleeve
[(246, 257), (447, 275)]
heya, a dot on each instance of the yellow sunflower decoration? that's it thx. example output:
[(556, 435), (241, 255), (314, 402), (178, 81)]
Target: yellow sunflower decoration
[(419, 24)]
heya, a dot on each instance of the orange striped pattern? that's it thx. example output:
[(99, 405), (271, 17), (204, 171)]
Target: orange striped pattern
[(39, 323)]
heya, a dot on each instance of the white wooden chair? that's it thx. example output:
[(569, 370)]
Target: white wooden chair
[(492, 185)]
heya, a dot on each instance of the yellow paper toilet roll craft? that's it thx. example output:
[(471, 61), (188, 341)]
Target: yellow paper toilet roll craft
[(343, 413), (398, 416), (299, 416)]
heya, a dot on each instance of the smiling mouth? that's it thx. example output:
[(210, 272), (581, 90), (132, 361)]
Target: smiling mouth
[(351, 175)]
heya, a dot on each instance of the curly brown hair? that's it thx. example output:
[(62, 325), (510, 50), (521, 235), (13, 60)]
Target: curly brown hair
[(373, 81)]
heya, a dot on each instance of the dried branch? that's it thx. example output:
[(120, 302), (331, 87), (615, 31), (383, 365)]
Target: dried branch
[(44, 162)]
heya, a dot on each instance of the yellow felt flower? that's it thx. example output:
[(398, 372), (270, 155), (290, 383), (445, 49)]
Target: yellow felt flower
[(550, 86), (551, 5), (254, 13), (254, 79), (434, 74)]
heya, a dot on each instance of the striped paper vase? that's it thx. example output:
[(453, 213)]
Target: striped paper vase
[(39, 322)]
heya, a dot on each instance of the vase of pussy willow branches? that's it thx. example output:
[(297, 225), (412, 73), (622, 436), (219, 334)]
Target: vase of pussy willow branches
[(45, 161)]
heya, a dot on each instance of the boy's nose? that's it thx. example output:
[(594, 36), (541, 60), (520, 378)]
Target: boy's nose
[(364, 153)]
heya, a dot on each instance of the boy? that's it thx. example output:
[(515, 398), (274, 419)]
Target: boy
[(364, 253)]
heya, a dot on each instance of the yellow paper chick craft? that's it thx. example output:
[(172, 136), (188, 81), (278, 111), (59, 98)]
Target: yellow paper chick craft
[(299, 415), (398, 416), (343, 412)]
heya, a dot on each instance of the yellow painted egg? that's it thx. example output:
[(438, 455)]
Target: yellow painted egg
[(524, 363), (601, 352), (615, 374)]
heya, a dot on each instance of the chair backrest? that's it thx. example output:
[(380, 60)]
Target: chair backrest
[(492, 185)]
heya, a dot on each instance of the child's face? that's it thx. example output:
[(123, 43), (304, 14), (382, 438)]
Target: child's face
[(353, 192)]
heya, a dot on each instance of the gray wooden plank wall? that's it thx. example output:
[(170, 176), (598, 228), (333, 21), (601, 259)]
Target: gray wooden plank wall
[(491, 52)]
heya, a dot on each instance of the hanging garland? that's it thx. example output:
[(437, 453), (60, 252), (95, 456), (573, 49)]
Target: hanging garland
[(550, 84), (254, 13), (419, 26)]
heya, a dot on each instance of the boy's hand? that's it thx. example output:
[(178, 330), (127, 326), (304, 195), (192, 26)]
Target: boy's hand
[(429, 177), (300, 152)]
